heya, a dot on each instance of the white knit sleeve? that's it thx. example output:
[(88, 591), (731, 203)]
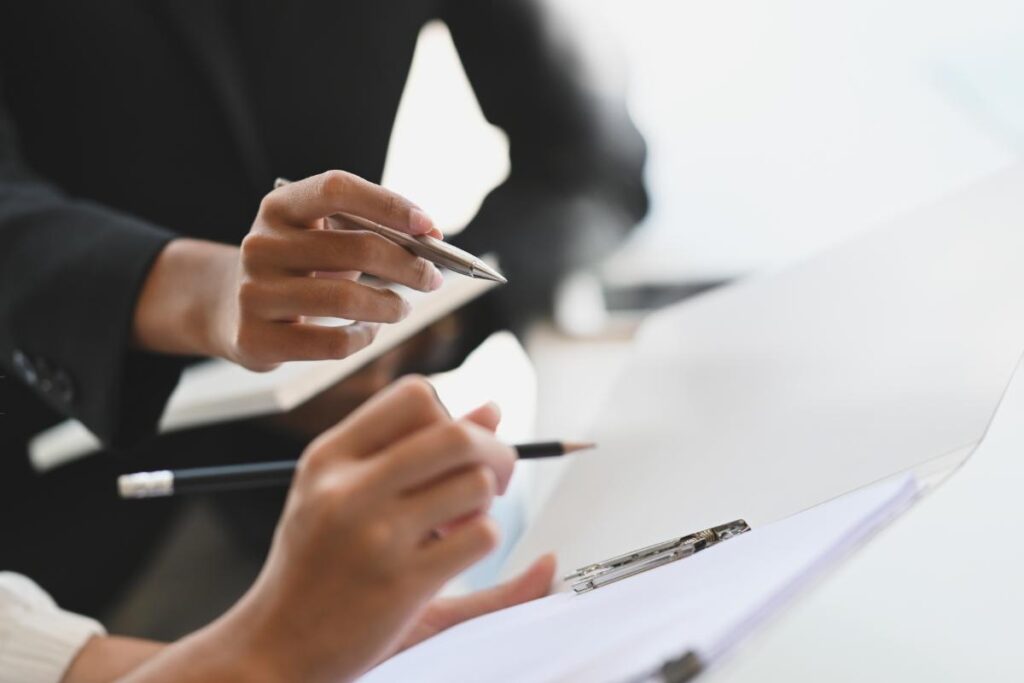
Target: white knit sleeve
[(38, 640)]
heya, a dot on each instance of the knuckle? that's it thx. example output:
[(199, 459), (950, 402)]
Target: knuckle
[(419, 399), (367, 333), (255, 245), (334, 183), (311, 461), (334, 485), (416, 389), (423, 273), (371, 247), (484, 534), (339, 344), (329, 298), (250, 293), (393, 205), (315, 459), (271, 203), (459, 437), (248, 347), (481, 482), (379, 534), (319, 497), (393, 307), (246, 344), (319, 510), (328, 459)]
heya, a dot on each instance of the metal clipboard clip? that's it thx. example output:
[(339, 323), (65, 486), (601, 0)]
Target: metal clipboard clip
[(623, 566)]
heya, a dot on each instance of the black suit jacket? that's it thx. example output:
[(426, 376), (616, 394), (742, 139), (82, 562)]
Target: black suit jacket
[(124, 123)]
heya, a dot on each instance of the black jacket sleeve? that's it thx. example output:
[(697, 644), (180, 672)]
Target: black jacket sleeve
[(70, 274), (576, 182)]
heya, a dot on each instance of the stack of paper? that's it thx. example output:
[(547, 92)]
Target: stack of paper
[(702, 605)]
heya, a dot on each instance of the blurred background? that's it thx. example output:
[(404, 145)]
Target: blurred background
[(774, 128)]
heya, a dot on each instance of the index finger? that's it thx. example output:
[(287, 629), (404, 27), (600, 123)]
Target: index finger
[(404, 408), (304, 202), (442, 449)]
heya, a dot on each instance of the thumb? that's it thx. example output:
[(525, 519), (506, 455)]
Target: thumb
[(533, 583), (443, 613)]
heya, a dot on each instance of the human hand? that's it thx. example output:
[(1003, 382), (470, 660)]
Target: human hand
[(250, 304), (383, 510), (357, 555)]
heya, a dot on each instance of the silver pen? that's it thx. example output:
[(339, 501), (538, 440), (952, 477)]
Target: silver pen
[(432, 249), (629, 564)]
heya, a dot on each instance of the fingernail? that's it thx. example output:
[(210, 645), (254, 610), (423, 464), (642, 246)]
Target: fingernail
[(419, 222), (436, 280), (494, 407), (406, 309)]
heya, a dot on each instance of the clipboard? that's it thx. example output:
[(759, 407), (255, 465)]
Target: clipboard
[(666, 623)]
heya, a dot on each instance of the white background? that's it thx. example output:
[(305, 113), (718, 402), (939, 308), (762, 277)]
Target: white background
[(775, 128)]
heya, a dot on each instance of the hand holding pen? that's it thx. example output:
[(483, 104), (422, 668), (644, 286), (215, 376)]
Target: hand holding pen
[(302, 257)]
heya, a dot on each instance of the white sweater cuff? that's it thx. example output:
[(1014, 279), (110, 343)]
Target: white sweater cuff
[(38, 640)]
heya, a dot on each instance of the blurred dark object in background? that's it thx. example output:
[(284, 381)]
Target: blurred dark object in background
[(649, 297)]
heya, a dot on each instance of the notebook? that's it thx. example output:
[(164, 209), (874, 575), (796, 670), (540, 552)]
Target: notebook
[(687, 614), (218, 391)]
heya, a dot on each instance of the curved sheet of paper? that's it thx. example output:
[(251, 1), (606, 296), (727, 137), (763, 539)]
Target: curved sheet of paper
[(770, 396)]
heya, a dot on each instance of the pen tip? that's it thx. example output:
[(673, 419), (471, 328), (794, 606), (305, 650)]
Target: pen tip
[(493, 277), (485, 272), (573, 446)]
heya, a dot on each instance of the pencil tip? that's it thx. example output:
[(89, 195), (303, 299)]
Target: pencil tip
[(573, 446)]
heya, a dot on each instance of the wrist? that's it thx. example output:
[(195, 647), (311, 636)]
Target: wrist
[(253, 643), (218, 652), (279, 642), (230, 656), (105, 658), (181, 308)]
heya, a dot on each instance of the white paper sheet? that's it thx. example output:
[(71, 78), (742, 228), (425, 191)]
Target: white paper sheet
[(788, 389)]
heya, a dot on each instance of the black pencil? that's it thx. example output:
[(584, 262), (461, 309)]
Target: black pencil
[(267, 474)]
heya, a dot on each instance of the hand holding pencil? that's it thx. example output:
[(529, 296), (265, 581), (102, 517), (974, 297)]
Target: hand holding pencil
[(160, 483), (357, 555)]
